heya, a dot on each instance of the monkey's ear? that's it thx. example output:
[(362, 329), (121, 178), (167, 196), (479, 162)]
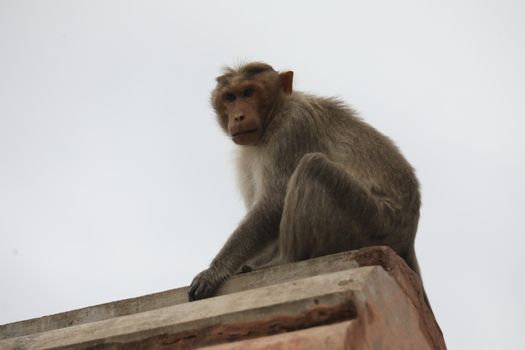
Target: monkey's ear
[(287, 81)]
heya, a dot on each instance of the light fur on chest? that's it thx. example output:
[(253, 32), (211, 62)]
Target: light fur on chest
[(252, 175)]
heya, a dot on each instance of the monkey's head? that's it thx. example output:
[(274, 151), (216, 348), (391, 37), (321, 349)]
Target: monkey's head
[(244, 100)]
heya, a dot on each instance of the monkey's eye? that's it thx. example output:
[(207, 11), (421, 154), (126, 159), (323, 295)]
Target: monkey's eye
[(248, 92), (230, 97)]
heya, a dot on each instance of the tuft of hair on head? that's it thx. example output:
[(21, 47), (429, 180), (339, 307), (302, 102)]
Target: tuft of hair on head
[(244, 70), (254, 68)]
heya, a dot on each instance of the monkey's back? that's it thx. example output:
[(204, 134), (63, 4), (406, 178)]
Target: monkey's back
[(368, 155)]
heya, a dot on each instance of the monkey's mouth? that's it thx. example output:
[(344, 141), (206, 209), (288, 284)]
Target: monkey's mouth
[(245, 132)]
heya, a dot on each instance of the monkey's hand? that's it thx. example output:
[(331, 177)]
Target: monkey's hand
[(205, 284)]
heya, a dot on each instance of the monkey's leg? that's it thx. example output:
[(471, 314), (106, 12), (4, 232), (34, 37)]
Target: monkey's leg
[(325, 211)]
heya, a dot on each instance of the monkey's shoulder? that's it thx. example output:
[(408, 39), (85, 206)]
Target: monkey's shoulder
[(320, 114)]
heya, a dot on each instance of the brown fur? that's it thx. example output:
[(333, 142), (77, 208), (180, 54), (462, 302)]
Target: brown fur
[(315, 178)]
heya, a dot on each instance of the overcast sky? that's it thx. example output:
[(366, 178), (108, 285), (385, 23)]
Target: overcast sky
[(115, 180)]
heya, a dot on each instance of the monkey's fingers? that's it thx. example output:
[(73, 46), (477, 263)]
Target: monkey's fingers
[(200, 290)]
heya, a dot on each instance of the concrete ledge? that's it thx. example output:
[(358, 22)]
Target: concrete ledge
[(381, 306), (265, 277), (285, 306)]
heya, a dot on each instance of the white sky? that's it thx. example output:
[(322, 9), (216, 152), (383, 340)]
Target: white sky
[(115, 180)]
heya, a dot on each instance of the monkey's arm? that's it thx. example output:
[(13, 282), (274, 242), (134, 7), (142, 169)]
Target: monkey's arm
[(258, 229)]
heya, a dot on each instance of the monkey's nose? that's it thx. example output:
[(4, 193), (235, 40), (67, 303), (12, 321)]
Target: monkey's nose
[(239, 118)]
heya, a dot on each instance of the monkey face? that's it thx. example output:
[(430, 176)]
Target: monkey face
[(244, 100), (244, 114)]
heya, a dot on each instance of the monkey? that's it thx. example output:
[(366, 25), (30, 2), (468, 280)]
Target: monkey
[(315, 178)]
